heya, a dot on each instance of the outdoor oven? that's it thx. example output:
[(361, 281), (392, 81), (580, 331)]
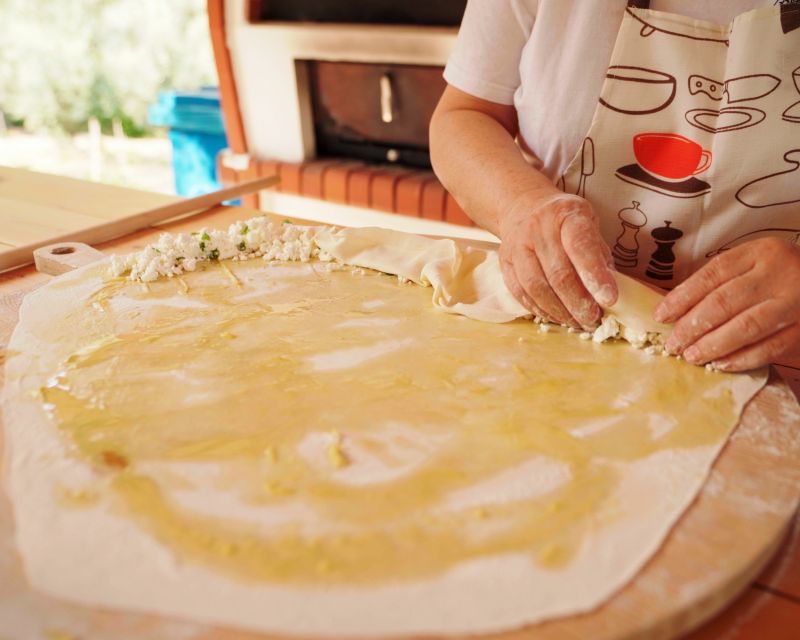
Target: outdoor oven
[(335, 96)]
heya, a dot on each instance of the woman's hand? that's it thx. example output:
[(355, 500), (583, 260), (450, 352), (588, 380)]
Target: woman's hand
[(551, 254), (554, 260), (741, 310)]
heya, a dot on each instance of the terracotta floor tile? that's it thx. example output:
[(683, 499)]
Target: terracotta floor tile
[(311, 177), (335, 180), (251, 200), (358, 186), (269, 168), (383, 188), (290, 173), (433, 200), (408, 192)]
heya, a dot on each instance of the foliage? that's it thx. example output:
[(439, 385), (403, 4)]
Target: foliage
[(63, 62)]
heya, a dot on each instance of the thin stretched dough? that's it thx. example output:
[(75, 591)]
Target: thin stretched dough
[(130, 410)]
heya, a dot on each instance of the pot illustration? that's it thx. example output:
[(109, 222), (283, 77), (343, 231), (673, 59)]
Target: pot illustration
[(636, 90)]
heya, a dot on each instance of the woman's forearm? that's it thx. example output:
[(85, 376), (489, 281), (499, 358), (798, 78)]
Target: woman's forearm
[(478, 162), (552, 256)]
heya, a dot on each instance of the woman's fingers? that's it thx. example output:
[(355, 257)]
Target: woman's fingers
[(554, 245), (536, 286), (751, 326), (591, 257), (713, 311), (513, 285), (740, 309), (781, 344), (563, 279), (700, 284)]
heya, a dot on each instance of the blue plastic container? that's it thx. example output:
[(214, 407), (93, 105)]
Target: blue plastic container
[(197, 134)]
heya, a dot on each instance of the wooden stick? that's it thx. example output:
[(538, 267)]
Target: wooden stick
[(20, 256)]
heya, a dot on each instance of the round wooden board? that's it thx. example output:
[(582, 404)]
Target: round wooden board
[(715, 550)]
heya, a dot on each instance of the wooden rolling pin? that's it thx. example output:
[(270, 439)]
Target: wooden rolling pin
[(20, 256)]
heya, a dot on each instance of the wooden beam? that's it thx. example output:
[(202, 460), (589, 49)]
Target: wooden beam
[(234, 127)]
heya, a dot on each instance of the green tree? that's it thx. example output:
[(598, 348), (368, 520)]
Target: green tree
[(63, 62)]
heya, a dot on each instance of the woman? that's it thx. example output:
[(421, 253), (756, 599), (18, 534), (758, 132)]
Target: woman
[(661, 139)]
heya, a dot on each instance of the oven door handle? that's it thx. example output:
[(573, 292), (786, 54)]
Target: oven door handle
[(387, 98)]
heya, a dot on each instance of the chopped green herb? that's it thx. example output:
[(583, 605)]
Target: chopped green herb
[(214, 254), (202, 246), (242, 246), (195, 233), (245, 229), (205, 236), (179, 259), (287, 221)]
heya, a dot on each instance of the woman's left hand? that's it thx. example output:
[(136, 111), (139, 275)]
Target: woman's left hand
[(739, 311)]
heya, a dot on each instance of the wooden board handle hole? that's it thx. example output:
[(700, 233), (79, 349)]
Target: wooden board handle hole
[(60, 251)]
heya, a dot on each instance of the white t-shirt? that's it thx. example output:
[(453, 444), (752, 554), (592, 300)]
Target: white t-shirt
[(549, 59)]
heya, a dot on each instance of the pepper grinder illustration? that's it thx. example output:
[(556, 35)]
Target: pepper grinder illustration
[(626, 248), (663, 258)]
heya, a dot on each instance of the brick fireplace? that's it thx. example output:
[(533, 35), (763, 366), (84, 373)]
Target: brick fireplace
[(335, 98)]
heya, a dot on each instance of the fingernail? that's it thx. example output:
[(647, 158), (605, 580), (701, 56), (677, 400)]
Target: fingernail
[(692, 354), (605, 295), (673, 345), (661, 314)]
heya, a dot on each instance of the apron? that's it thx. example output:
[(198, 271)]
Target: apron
[(694, 147)]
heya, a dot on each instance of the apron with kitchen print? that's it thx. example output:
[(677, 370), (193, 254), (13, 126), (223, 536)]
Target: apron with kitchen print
[(695, 145)]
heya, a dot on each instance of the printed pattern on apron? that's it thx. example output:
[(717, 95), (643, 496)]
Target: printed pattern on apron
[(694, 147)]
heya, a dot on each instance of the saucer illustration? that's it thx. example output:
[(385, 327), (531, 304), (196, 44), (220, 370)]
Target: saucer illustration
[(690, 188), (727, 119)]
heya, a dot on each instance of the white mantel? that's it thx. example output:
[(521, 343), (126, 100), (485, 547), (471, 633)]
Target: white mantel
[(273, 93)]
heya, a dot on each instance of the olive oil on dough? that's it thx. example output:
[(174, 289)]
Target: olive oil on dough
[(320, 452)]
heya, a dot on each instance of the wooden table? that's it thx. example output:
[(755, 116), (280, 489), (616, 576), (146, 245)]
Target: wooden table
[(768, 609)]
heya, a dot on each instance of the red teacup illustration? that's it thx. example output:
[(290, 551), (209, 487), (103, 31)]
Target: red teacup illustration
[(670, 156)]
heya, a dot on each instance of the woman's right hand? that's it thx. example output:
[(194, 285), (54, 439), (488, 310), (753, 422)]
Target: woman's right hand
[(554, 260)]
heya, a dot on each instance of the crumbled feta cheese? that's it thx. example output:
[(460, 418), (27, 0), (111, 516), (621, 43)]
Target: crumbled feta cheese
[(608, 329), (174, 254), (637, 338), (611, 329)]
